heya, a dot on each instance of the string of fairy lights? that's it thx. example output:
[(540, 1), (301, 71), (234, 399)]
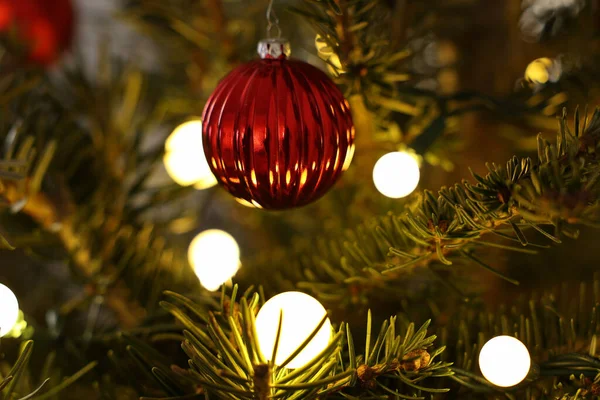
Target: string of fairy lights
[(214, 254), (215, 257), (504, 361)]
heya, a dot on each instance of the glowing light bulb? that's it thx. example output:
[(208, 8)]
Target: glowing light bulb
[(301, 315), (9, 310), (184, 157), (215, 257), (542, 70), (396, 174), (504, 361)]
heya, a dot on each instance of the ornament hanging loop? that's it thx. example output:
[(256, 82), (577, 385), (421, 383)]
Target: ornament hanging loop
[(272, 21), (273, 47)]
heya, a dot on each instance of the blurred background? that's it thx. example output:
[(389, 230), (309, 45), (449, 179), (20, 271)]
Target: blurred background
[(479, 80), (480, 48)]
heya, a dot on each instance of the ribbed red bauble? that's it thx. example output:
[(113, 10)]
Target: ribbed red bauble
[(43, 27), (277, 132)]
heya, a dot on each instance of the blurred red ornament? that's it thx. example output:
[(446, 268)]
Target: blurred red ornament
[(43, 27), (277, 133)]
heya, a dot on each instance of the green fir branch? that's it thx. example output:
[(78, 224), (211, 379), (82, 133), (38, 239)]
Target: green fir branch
[(94, 191), (403, 361), (559, 329), (559, 191), (18, 379), (225, 360)]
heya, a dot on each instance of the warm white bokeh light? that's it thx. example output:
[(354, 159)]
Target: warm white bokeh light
[(504, 361), (301, 315), (9, 310), (542, 70), (215, 256), (396, 174), (184, 157)]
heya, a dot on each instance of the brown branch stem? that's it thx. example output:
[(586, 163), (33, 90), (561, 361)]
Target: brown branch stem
[(41, 208), (343, 31)]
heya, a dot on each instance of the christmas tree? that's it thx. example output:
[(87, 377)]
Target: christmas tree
[(393, 199)]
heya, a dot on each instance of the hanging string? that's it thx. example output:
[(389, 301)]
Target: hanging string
[(272, 21)]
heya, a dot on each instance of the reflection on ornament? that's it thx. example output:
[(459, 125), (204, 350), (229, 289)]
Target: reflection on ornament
[(301, 315), (247, 203), (9, 310), (504, 361), (349, 157), (277, 132), (184, 157), (396, 174), (215, 256)]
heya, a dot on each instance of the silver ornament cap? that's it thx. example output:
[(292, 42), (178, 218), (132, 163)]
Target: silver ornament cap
[(274, 48)]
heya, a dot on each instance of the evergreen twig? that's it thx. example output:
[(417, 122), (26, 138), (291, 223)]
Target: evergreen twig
[(558, 191)]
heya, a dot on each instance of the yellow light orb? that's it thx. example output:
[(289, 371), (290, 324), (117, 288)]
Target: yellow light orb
[(9, 310), (537, 70), (542, 70), (396, 174), (301, 315), (184, 157), (504, 361), (215, 256)]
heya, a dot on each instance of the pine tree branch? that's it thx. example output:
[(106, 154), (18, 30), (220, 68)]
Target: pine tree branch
[(558, 326), (55, 214), (86, 193), (18, 378), (378, 65), (560, 190), (45, 212), (225, 359)]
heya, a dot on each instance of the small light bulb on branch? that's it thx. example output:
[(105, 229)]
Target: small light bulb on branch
[(543, 70), (9, 310), (184, 157), (504, 361), (301, 316), (396, 174), (215, 257)]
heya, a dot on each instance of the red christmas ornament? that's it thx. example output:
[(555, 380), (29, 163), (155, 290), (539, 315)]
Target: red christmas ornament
[(44, 27), (277, 133)]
